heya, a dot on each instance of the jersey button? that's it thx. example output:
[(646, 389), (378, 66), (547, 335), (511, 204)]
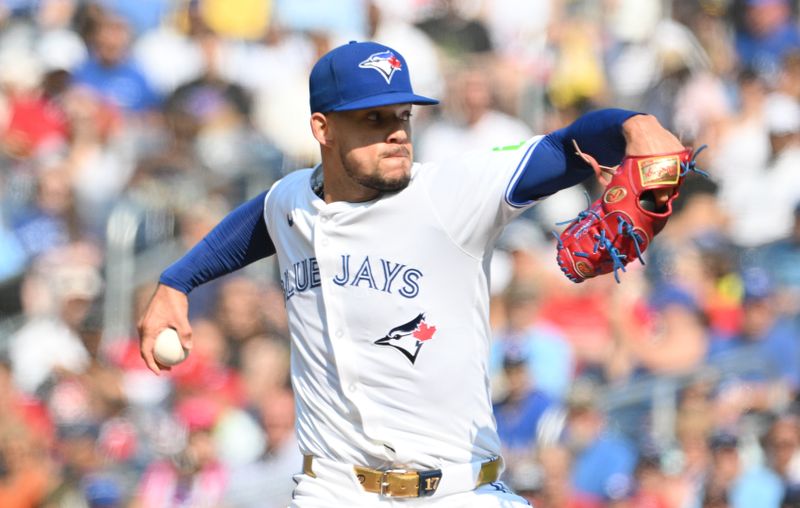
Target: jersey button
[(324, 242), (324, 218), (339, 334), (352, 388)]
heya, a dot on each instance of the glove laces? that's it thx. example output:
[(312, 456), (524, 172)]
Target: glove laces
[(691, 166)]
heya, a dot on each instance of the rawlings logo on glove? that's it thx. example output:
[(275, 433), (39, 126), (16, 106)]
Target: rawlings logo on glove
[(619, 226)]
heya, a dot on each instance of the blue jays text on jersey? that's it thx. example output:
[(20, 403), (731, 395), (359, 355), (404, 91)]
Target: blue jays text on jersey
[(380, 275)]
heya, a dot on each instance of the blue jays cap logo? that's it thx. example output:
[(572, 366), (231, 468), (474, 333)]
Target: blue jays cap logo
[(343, 79), (385, 62), (408, 337)]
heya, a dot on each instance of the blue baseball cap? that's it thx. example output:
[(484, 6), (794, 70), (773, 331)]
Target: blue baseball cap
[(361, 75)]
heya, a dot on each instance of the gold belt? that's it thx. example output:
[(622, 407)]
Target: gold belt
[(408, 482)]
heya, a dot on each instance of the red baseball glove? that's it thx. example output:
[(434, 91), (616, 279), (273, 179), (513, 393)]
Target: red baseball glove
[(619, 226)]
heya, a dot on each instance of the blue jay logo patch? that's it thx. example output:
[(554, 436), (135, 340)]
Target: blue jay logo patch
[(385, 63), (408, 338)]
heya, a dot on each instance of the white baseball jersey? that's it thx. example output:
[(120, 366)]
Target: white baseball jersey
[(388, 304)]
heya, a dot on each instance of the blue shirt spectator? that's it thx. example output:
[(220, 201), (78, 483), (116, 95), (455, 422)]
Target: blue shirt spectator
[(110, 71), (518, 413), (766, 336), (39, 231), (604, 466), (769, 33), (604, 460), (518, 421), (745, 487)]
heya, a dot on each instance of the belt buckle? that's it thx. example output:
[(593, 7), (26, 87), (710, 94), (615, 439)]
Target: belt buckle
[(385, 484)]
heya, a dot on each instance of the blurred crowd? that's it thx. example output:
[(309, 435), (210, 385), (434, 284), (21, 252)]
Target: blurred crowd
[(676, 388)]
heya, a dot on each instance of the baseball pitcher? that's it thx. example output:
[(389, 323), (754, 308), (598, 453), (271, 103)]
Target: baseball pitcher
[(384, 266)]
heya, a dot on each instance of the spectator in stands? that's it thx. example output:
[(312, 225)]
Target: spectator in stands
[(57, 43), (672, 340), (553, 488), (739, 146), (264, 367), (289, 54), (195, 476), (767, 341), (174, 166), (521, 247), (51, 221), (603, 460), (781, 445), (766, 33), (519, 410), (687, 247), (587, 316), (471, 120), (779, 259), (35, 123), (109, 69), (718, 284), (455, 32), (167, 55), (81, 465), (240, 313), (715, 498), (765, 198), (209, 343), (684, 94), (278, 462), (744, 486), (99, 155), (650, 488), (49, 343), (539, 346), (690, 453), (217, 113)]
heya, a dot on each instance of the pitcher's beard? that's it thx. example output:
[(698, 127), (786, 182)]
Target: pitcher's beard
[(378, 182)]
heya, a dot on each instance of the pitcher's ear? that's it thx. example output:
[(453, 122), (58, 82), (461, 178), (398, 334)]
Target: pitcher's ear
[(321, 129)]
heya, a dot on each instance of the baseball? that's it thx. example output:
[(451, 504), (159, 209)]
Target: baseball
[(168, 350)]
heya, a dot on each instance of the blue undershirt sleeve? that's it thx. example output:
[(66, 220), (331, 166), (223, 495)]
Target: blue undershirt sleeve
[(554, 165), (238, 240)]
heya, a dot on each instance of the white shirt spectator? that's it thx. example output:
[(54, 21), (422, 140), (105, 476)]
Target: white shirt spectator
[(40, 347), (761, 202)]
